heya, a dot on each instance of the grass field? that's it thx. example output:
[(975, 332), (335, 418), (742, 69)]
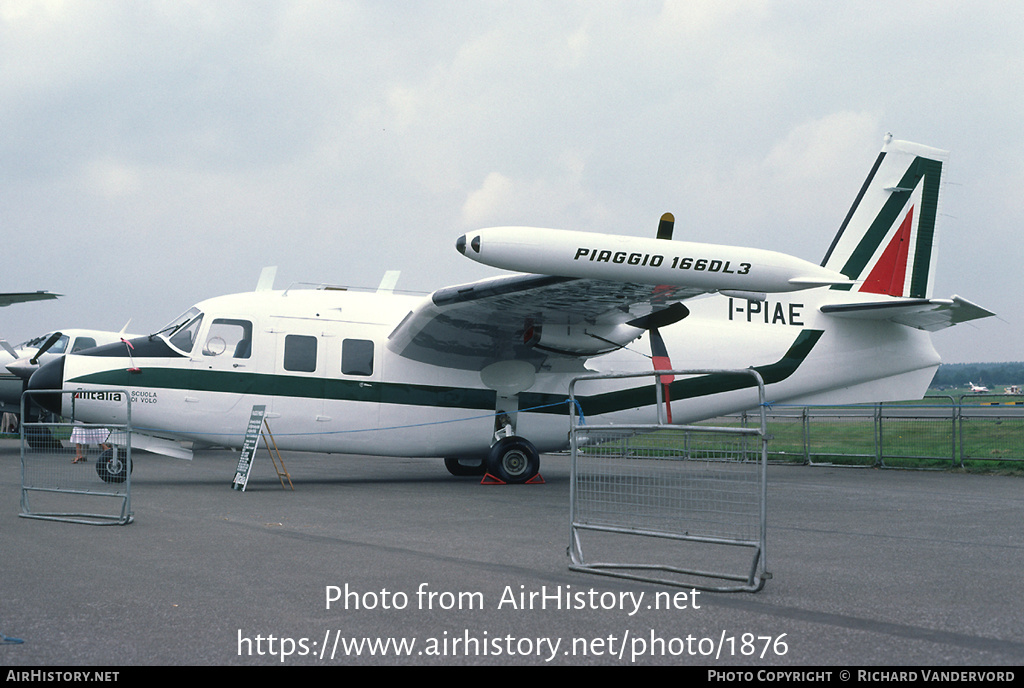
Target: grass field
[(975, 443)]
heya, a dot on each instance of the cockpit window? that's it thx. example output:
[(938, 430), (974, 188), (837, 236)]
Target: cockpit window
[(184, 319), (60, 346), (230, 338), (181, 332)]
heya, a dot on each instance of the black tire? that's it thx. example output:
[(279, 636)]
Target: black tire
[(513, 460), (470, 468), (40, 438), (111, 469)]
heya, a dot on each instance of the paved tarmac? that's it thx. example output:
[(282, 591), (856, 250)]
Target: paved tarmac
[(870, 568)]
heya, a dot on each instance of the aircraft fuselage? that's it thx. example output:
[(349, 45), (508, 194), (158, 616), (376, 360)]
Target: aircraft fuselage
[(320, 363)]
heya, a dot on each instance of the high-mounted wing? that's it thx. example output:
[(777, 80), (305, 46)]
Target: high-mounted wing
[(533, 318)]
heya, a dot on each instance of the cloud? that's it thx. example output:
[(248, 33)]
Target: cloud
[(492, 200), (336, 139)]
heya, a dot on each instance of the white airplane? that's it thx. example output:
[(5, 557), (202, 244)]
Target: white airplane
[(977, 389), (19, 362), (478, 373)]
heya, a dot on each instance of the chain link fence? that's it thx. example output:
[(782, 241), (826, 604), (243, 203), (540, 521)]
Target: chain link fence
[(76, 472), (941, 432), (670, 504)]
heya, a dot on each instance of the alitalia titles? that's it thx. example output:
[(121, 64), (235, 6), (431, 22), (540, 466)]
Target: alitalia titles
[(100, 396)]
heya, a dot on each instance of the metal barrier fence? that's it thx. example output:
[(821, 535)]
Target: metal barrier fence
[(635, 487), (76, 472), (938, 432)]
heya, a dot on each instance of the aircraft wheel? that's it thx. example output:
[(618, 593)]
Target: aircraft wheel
[(40, 438), (513, 460), (111, 468), (470, 468)]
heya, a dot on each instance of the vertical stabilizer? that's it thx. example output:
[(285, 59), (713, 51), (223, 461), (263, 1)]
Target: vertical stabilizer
[(887, 241)]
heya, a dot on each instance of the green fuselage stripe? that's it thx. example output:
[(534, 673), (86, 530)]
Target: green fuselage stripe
[(687, 388), (260, 384)]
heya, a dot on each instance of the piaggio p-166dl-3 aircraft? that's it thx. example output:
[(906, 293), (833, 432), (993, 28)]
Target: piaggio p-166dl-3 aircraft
[(478, 373)]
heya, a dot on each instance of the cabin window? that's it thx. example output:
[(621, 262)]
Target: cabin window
[(231, 338), (357, 357), (300, 353), (83, 343)]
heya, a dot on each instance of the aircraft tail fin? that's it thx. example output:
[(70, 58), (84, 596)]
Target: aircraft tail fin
[(887, 242)]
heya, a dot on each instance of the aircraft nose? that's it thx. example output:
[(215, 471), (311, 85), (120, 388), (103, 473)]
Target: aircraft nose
[(49, 376), (23, 368)]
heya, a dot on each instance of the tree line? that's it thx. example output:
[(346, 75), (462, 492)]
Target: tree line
[(988, 374)]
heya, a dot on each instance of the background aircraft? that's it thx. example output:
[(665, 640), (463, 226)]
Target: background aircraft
[(22, 296), (17, 363), (478, 373)]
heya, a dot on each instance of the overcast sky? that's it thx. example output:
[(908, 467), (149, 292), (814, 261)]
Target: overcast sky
[(154, 154)]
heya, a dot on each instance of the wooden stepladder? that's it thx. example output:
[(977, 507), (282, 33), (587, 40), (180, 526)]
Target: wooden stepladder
[(282, 472), (255, 430)]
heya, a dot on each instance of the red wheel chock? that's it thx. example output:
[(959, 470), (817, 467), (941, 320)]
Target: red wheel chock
[(492, 480)]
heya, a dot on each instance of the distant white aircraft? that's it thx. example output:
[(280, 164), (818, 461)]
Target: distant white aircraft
[(977, 389), (19, 362), (478, 373)]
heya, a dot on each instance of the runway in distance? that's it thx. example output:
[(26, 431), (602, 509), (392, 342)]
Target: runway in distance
[(478, 373)]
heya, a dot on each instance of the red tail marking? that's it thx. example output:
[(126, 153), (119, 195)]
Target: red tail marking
[(890, 272)]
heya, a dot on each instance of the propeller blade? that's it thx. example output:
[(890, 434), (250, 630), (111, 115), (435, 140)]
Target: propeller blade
[(659, 356), (45, 347), (7, 347), (661, 318), (666, 225)]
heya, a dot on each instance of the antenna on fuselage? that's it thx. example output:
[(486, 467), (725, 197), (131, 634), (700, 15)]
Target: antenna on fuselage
[(388, 281), (266, 280)]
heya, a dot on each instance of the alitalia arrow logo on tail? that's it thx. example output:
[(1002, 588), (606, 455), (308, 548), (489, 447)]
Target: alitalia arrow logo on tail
[(889, 274), (887, 241)]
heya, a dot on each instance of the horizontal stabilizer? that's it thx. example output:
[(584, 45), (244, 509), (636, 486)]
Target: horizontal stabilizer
[(923, 314)]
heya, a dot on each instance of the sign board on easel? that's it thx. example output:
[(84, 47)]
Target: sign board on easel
[(252, 441)]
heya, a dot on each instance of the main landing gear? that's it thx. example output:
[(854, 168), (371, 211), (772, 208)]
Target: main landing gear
[(512, 460)]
